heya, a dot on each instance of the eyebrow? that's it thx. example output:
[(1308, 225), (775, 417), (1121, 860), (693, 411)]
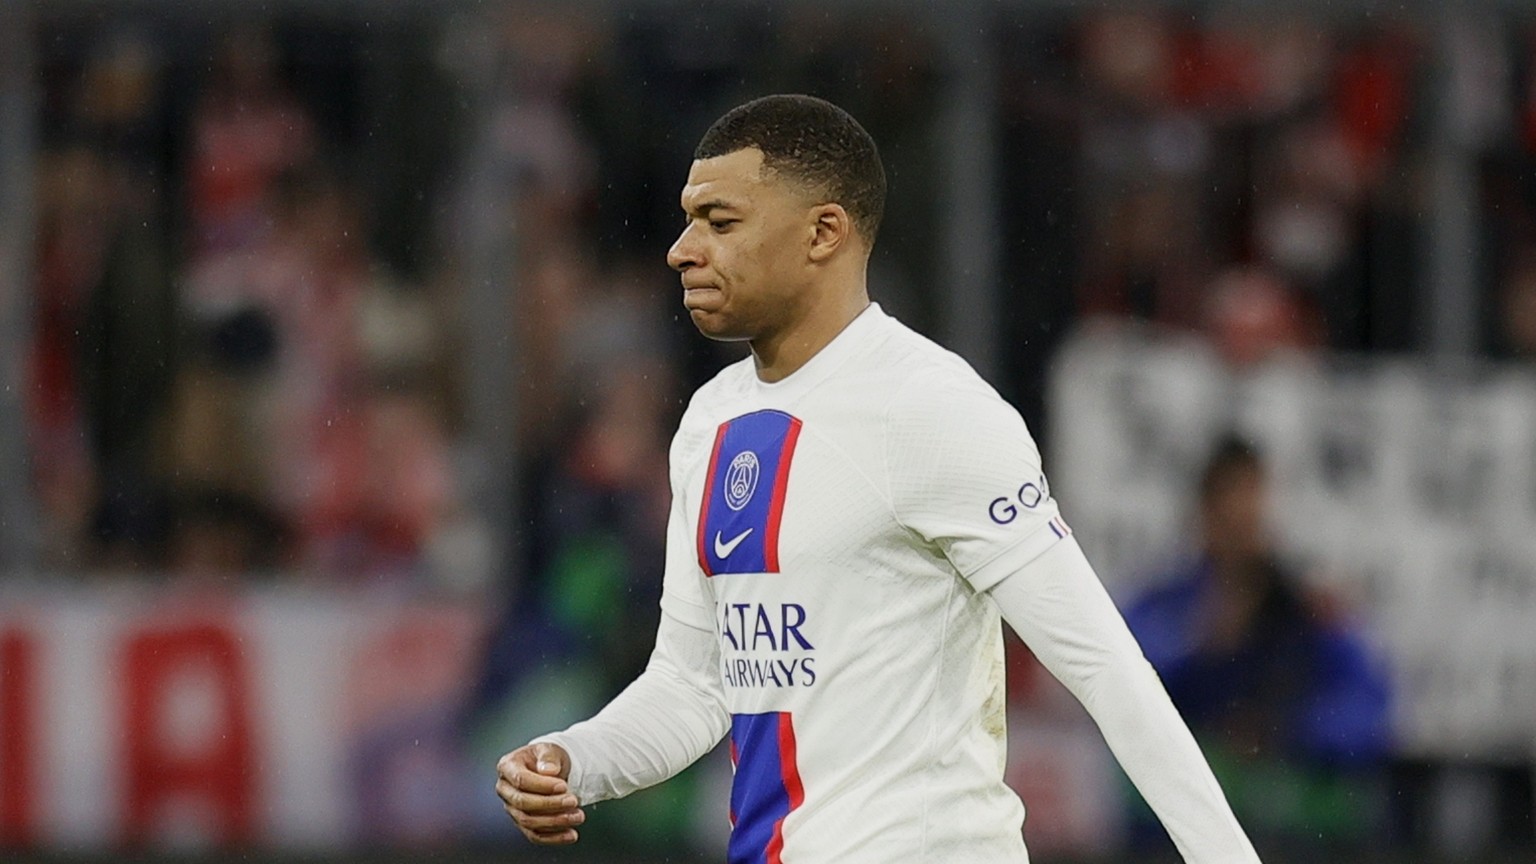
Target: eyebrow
[(704, 208)]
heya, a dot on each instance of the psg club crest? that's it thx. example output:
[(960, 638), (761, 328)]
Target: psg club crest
[(741, 480), (738, 526)]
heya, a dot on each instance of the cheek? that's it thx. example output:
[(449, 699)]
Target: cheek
[(741, 264), (761, 262), (778, 258)]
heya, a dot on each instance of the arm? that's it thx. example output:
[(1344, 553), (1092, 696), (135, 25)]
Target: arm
[(1059, 608), (966, 477), (670, 716), (663, 722)]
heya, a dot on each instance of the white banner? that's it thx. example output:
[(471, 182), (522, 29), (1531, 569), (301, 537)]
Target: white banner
[(287, 718), (1409, 489)]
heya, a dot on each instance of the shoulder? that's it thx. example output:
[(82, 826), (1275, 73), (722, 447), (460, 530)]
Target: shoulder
[(944, 425), (932, 382), (942, 412)]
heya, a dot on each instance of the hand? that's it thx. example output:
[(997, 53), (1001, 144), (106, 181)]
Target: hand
[(531, 783)]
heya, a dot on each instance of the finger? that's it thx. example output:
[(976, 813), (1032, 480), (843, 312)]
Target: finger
[(553, 824), (554, 829), (518, 761), (532, 803), (543, 758), (564, 838), (550, 760), (518, 769), (505, 791), (538, 784), (528, 781)]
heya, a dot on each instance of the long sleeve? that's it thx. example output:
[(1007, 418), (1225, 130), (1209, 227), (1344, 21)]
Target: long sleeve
[(1060, 609), (663, 722), (675, 711)]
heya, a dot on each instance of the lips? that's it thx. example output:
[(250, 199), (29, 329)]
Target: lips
[(703, 297)]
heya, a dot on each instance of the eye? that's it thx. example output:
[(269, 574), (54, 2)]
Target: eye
[(720, 225)]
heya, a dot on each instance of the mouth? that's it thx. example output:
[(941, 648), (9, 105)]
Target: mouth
[(702, 297)]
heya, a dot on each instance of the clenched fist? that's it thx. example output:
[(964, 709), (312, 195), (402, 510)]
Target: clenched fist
[(531, 783)]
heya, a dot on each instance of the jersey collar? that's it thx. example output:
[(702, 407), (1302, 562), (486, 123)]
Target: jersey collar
[(861, 331)]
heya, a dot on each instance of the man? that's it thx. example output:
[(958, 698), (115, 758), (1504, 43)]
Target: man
[(852, 508), (1277, 684)]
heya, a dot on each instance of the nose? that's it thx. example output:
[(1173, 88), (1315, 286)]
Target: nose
[(684, 252)]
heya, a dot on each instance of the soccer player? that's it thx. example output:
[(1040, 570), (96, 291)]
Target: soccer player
[(853, 508)]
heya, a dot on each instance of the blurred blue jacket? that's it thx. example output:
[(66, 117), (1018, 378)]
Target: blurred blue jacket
[(1298, 684)]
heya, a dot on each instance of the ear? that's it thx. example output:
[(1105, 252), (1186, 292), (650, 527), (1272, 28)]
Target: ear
[(832, 229)]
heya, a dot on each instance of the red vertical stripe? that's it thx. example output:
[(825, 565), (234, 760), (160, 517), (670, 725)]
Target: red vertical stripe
[(790, 771), (17, 745), (709, 491), (735, 760), (776, 507), (787, 755)]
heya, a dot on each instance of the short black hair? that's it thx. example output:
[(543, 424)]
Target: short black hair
[(812, 141)]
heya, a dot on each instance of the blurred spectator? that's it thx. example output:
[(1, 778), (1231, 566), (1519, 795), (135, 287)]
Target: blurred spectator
[(542, 168), (1235, 141), (218, 537), (1147, 265), (604, 517), (1372, 96), (246, 131), (1516, 308), (1282, 692), (1251, 314), (71, 241), (104, 346), (118, 110), (323, 366), (162, 445), (1308, 187), (1144, 246)]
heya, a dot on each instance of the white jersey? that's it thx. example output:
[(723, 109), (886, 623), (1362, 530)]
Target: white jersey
[(845, 520), (833, 536)]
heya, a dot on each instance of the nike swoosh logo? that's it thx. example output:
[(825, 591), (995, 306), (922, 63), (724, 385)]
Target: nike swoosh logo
[(724, 550)]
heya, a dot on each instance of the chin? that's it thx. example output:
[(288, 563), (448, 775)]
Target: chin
[(714, 326)]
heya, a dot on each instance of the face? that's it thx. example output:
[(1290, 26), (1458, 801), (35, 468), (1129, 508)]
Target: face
[(743, 253), (1233, 517)]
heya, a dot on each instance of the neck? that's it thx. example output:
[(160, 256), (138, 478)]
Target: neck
[(783, 353)]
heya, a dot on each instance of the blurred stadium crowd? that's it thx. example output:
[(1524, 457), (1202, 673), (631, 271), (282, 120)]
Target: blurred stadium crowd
[(263, 247)]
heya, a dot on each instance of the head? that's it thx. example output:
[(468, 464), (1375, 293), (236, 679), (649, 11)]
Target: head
[(1233, 493), (782, 206)]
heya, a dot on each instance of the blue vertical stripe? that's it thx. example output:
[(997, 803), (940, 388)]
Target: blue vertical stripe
[(759, 795), (741, 490)]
